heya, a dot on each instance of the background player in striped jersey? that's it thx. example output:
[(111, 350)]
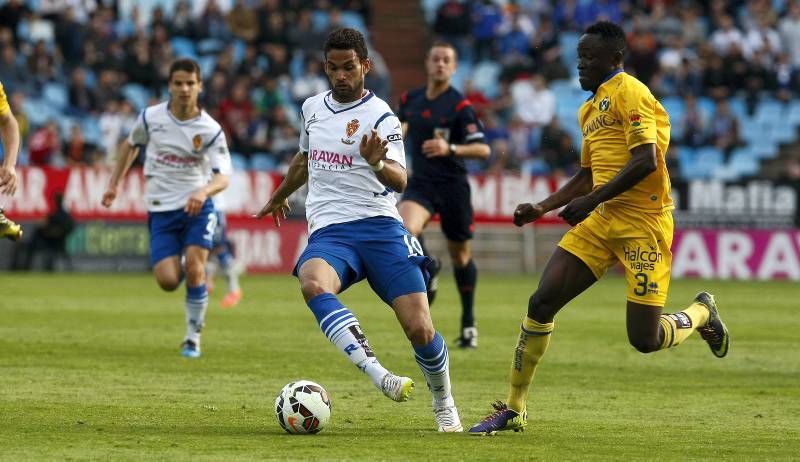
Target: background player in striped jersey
[(182, 144)]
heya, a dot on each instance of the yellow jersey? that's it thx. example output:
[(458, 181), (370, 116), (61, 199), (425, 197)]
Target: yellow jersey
[(4, 109), (621, 115)]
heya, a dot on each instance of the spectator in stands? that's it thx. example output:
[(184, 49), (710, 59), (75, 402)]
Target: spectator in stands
[(724, 128), (271, 97), (694, 30), (44, 145), (487, 17), (252, 65), (693, 123), (283, 136), (534, 103), (12, 72), (69, 37), (17, 103), (558, 150), (11, 14), (311, 82), (453, 24), (274, 32), (480, 103), (303, 37), (716, 80), (379, 78), (642, 58), (663, 23), (108, 87), (785, 79), (82, 99), (789, 28), (75, 148), (726, 37), (182, 24), (110, 122), (235, 115), (242, 22), (41, 65), (212, 22), (140, 68), (762, 41), (51, 236)]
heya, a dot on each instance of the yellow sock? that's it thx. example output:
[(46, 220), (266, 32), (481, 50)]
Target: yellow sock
[(531, 345), (679, 326)]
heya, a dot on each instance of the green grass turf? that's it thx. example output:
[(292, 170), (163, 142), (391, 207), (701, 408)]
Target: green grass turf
[(89, 369)]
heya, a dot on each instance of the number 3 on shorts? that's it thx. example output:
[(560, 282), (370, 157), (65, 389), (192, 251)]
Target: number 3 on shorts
[(210, 226), (414, 247)]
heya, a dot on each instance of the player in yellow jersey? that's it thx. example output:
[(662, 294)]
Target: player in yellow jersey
[(620, 208), (9, 131)]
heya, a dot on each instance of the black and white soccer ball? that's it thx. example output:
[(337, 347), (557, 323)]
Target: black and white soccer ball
[(303, 407)]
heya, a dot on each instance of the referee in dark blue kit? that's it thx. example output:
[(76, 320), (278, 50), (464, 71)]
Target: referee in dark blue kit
[(441, 130)]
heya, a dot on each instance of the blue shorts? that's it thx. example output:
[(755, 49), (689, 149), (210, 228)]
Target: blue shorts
[(379, 249), (172, 231)]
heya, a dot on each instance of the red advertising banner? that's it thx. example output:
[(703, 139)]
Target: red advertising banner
[(736, 254), (494, 198)]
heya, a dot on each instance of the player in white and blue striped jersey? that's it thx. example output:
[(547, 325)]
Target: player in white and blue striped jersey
[(182, 143), (352, 156)]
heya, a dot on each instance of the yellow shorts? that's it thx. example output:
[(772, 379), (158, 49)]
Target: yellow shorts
[(640, 241)]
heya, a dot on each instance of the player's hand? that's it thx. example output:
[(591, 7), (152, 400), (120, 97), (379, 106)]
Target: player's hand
[(278, 209), (526, 213), (578, 209), (195, 202), (109, 196), (436, 147), (373, 149), (8, 180)]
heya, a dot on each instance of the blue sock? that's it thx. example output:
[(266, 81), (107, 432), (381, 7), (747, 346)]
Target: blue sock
[(196, 304), (341, 327), (435, 365)]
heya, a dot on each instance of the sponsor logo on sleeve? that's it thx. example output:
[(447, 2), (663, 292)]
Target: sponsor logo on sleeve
[(394, 137), (635, 118)]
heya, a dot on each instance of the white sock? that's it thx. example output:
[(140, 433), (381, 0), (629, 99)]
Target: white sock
[(434, 362), (231, 276)]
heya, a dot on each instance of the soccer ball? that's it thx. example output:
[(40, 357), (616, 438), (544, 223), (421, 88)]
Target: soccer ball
[(303, 407)]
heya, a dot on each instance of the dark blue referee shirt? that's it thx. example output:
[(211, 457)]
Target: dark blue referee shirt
[(451, 115)]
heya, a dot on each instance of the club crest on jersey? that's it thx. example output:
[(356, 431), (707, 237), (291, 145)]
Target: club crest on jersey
[(350, 130), (197, 142), (605, 104)]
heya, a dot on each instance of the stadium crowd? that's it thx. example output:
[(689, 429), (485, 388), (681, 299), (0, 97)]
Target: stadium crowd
[(78, 72)]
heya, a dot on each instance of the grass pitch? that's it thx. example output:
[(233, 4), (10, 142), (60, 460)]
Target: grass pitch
[(90, 369)]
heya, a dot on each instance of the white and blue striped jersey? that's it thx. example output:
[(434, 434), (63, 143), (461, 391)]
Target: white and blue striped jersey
[(341, 185), (178, 155)]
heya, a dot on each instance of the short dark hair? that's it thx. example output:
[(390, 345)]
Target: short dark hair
[(345, 38), (443, 44), (610, 33), (186, 65)]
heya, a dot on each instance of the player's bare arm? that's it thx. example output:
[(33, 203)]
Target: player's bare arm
[(579, 185), (438, 147), (10, 134), (278, 204), (642, 164), (195, 202), (373, 149), (125, 157)]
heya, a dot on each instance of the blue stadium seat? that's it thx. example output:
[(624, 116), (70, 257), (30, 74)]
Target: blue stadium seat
[(707, 160), (263, 161), (320, 20), (183, 47), (485, 76), (238, 51), (568, 41), (207, 63), (355, 21), (238, 161), (744, 162), (764, 149), (783, 132), (136, 94), (56, 94), (91, 130), (39, 111), (210, 46)]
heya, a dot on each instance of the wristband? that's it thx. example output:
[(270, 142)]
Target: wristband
[(453, 150), (377, 167)]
